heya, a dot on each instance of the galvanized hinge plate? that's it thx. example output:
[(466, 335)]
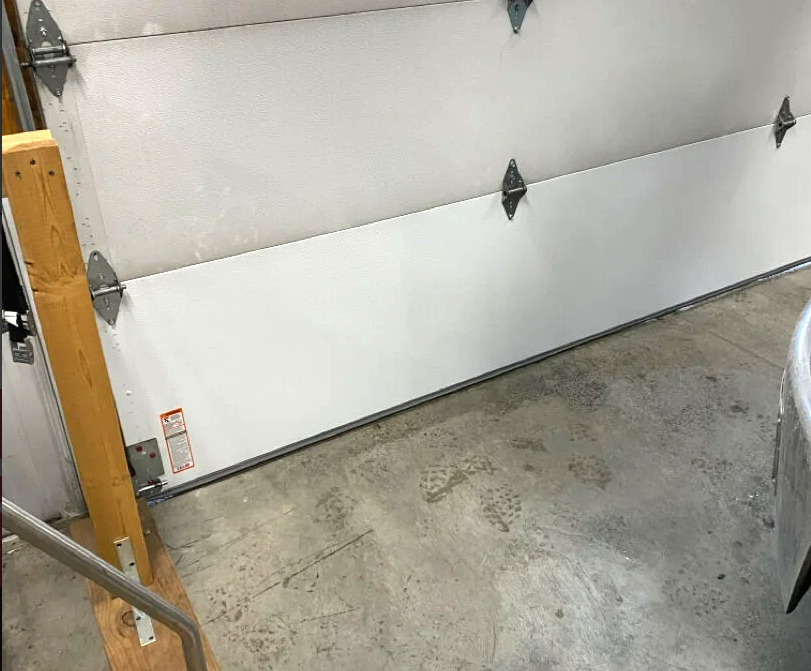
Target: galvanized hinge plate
[(785, 120), (513, 189), (145, 459), (48, 53), (517, 9), (106, 291), (143, 623)]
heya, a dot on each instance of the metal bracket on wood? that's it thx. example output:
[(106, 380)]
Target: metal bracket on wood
[(785, 120), (145, 459), (105, 289), (517, 9), (513, 189), (48, 53), (73, 555), (143, 623)]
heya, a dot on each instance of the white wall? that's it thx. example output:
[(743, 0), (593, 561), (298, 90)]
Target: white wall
[(38, 471)]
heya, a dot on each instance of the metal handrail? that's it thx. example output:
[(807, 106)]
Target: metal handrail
[(81, 560)]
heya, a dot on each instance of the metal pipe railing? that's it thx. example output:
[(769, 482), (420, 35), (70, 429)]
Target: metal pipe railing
[(81, 560)]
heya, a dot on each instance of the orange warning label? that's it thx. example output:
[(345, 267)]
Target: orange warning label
[(177, 440)]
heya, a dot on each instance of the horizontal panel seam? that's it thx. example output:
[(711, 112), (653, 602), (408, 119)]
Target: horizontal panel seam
[(265, 23), (800, 119)]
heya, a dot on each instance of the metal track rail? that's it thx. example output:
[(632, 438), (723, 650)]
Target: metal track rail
[(81, 560)]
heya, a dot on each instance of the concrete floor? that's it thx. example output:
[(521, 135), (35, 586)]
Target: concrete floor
[(609, 508)]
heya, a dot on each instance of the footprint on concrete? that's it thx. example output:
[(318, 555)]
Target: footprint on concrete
[(713, 467), (590, 470), (532, 545), (477, 463), (696, 594), (579, 432), (501, 507), (334, 507), (529, 444), (265, 643), (438, 481)]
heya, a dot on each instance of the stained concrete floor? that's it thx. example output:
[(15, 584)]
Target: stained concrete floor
[(608, 508)]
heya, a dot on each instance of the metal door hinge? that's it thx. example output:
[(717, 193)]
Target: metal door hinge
[(105, 289), (517, 9), (785, 120), (147, 464), (48, 53), (512, 189)]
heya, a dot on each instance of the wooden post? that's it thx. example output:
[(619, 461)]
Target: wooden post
[(11, 122), (28, 73), (35, 185)]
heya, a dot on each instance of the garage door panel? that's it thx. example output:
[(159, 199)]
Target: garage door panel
[(271, 348), (99, 20), (207, 144)]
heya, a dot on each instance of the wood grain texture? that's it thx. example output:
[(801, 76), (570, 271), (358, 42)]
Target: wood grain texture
[(11, 122), (35, 139), (114, 617), (22, 56), (34, 182)]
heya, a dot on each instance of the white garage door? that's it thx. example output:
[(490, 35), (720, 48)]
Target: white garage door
[(302, 196)]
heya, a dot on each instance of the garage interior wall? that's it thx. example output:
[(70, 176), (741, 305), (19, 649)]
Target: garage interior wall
[(37, 460), (302, 196)]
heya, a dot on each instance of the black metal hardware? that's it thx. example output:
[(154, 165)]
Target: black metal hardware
[(513, 189), (785, 120), (517, 9)]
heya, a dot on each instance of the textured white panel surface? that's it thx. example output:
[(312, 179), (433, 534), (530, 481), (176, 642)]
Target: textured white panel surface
[(97, 20), (208, 144), (275, 346)]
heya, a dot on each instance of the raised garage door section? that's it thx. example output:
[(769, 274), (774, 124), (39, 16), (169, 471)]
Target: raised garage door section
[(303, 197)]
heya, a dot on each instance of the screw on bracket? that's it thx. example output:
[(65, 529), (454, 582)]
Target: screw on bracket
[(513, 189), (517, 9), (48, 53), (106, 291), (785, 120)]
